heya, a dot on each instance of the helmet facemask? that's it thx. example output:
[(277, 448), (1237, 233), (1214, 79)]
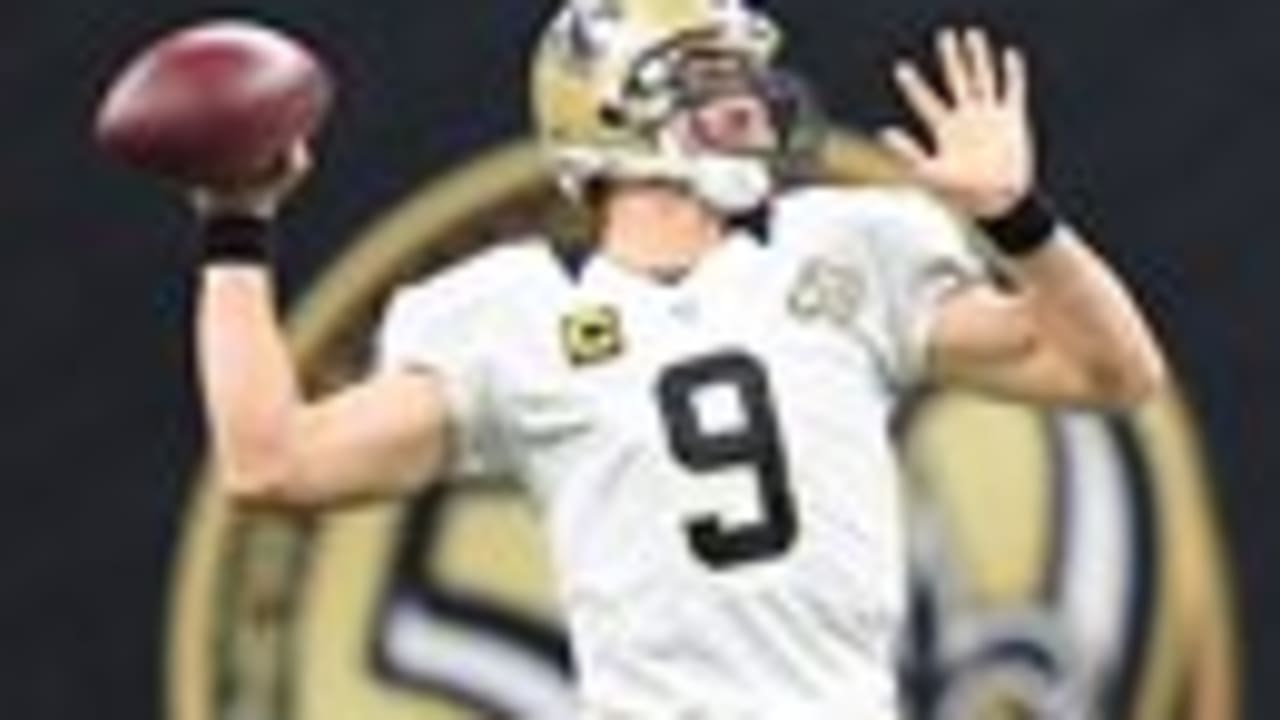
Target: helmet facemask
[(721, 124)]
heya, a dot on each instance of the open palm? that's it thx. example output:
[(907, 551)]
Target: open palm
[(981, 154)]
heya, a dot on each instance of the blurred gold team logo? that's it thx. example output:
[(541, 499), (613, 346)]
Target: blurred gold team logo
[(1064, 565)]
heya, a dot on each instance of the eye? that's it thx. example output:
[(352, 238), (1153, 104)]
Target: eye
[(713, 74)]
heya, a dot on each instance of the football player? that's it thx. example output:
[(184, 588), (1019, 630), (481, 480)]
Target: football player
[(699, 407)]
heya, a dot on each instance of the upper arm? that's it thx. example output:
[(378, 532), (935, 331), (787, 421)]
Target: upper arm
[(428, 408), (917, 255), (990, 340), (382, 437)]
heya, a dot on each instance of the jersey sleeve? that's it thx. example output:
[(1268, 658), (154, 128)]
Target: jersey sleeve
[(448, 325), (920, 255)]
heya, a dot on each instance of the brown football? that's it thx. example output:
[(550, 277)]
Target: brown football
[(215, 103)]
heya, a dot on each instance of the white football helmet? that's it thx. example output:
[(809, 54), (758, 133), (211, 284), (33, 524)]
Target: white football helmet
[(606, 82)]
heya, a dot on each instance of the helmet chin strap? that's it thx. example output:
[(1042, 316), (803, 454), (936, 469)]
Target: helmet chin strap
[(730, 185)]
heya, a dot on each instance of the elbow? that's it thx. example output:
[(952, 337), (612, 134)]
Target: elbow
[(256, 489), (1132, 384), (263, 479), (1146, 379)]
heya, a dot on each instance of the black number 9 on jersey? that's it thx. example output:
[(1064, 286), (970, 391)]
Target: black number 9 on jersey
[(755, 443)]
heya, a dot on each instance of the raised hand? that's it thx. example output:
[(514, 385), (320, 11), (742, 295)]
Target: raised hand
[(980, 153)]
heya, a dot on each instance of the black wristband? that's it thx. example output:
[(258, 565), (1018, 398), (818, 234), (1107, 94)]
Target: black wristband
[(235, 240), (1025, 228)]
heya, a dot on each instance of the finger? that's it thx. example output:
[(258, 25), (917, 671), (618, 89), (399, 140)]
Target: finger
[(300, 160), (905, 147), (300, 155), (955, 69), (282, 172), (982, 71), (923, 99), (1015, 78)]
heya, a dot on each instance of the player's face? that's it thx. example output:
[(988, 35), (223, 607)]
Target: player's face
[(724, 109)]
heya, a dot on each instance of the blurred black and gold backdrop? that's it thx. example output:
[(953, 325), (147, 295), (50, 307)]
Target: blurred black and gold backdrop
[(1132, 563)]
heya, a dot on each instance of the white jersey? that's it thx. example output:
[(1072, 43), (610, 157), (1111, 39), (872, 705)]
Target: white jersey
[(711, 457)]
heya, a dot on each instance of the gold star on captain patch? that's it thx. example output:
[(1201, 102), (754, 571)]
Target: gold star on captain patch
[(592, 334)]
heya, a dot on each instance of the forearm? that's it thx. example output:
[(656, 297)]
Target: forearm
[(1071, 333), (272, 445), (1083, 308), (251, 390)]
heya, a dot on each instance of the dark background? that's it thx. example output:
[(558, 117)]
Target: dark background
[(1157, 119)]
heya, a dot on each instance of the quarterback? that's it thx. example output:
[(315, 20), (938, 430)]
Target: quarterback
[(698, 406)]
